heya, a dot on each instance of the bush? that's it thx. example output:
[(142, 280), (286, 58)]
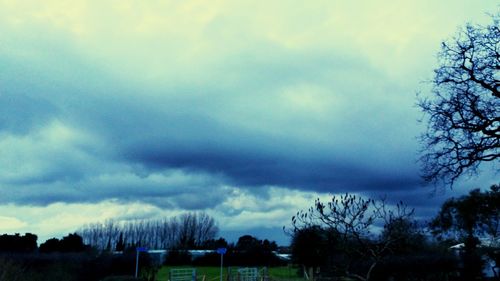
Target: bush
[(72, 243), (209, 259), (73, 267), (429, 266), (178, 257), (10, 270)]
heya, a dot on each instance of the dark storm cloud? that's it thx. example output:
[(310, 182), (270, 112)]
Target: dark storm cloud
[(205, 130), (185, 130), (256, 167), (262, 116)]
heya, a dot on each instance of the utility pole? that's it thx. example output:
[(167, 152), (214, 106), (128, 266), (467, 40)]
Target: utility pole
[(137, 251), (221, 251)]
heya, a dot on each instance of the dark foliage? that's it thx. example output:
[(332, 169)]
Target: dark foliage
[(343, 229), (178, 257), (11, 270), (68, 244), (122, 278), (417, 266), (407, 236), (336, 240), (469, 216), (214, 244), (210, 259), (310, 246), (248, 251), (83, 266), (18, 243)]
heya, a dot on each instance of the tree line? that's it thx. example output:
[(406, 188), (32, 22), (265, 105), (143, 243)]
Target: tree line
[(27, 244), (75, 258), (339, 238), (188, 231), (66, 259)]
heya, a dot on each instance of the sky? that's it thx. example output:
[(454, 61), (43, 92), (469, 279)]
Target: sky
[(246, 110)]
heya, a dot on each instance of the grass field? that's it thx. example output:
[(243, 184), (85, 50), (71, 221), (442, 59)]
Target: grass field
[(212, 273)]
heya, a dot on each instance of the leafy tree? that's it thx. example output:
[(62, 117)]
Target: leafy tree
[(469, 216), (310, 247), (71, 243), (464, 113), (269, 246), (213, 244), (406, 235), (466, 219), (17, 243), (251, 251), (247, 243), (51, 245)]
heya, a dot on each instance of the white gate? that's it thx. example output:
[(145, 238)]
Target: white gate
[(248, 274), (182, 274)]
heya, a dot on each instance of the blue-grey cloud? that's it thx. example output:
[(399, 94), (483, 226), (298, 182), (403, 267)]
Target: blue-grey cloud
[(218, 109), (204, 129), (20, 113), (185, 130)]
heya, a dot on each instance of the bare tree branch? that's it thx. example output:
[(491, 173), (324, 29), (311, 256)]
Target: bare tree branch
[(351, 219), (463, 116)]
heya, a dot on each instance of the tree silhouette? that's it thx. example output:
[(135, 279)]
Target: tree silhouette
[(18, 243), (310, 247), (349, 220), (189, 231), (247, 243), (467, 218), (50, 246), (120, 245), (71, 243), (463, 115)]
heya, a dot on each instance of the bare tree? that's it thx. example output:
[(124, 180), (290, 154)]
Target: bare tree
[(187, 231), (351, 220), (463, 115), (190, 230), (206, 229), (195, 229), (111, 233)]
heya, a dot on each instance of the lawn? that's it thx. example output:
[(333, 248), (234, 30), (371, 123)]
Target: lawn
[(212, 273)]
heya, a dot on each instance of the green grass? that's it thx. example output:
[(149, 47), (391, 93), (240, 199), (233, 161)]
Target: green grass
[(212, 273), (284, 273)]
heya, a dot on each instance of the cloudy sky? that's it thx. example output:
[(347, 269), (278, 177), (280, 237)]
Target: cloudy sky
[(248, 110)]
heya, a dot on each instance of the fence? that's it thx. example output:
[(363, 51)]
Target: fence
[(247, 274), (182, 274)]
